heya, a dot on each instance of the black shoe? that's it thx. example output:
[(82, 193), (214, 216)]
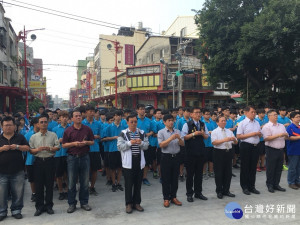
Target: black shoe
[(253, 190), (71, 209), (278, 188), (2, 217), (190, 198), (18, 216), (246, 191), (114, 188), (233, 175), (38, 212), (61, 196), (93, 191), (33, 197), (86, 207), (220, 195), (271, 189), (66, 195), (119, 186), (50, 211), (200, 196), (229, 194)]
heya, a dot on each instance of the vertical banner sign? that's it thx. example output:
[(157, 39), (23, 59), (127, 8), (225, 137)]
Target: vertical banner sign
[(129, 54)]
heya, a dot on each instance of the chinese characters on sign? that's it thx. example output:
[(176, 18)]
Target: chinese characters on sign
[(270, 211)]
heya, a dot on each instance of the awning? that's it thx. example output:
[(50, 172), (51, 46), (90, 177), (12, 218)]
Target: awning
[(13, 92)]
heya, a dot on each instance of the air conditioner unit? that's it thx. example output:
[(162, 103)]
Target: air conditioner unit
[(170, 77)]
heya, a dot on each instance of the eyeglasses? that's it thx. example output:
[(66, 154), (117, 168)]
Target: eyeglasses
[(43, 122), (133, 122)]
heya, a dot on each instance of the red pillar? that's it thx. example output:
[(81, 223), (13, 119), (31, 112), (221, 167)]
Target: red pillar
[(122, 101), (183, 99), (155, 100), (134, 98)]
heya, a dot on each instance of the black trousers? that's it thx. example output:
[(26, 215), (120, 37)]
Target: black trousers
[(274, 161), (249, 158), (44, 171), (169, 166), (194, 169), (223, 169), (133, 182)]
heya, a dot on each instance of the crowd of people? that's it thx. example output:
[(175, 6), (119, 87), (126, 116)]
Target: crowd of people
[(61, 148)]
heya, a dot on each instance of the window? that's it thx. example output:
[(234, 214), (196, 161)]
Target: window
[(152, 57), (183, 32), (2, 37), (162, 53)]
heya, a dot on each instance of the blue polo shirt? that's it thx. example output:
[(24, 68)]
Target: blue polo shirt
[(283, 120), (111, 131), (30, 158), (103, 135), (266, 119), (261, 122), (179, 124), (52, 124), (157, 126), (229, 123), (293, 147), (144, 124), (95, 126), (59, 130), (210, 127)]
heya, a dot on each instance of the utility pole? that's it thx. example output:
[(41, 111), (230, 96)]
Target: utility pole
[(179, 53), (23, 37), (180, 80)]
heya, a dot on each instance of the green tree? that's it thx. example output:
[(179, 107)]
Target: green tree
[(258, 40)]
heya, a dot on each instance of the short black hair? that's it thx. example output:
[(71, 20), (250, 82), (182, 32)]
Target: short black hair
[(75, 110), (127, 110), (194, 108), (219, 117), (89, 107), (174, 110), (131, 115), (293, 114), (43, 115), (282, 108), (140, 106), (247, 108), (82, 109), (109, 116), (157, 110), (42, 107), (34, 120), (167, 117), (165, 112), (233, 112), (205, 110), (186, 109), (224, 108), (8, 118), (118, 113)]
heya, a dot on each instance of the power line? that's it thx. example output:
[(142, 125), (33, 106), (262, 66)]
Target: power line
[(61, 16), (66, 13)]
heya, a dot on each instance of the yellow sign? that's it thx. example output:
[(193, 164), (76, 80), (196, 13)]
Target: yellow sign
[(144, 88), (37, 84), (143, 81)]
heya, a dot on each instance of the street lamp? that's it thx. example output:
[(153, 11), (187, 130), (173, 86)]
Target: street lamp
[(117, 47), (22, 36)]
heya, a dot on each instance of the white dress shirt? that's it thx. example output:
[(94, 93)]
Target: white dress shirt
[(247, 126), (218, 134)]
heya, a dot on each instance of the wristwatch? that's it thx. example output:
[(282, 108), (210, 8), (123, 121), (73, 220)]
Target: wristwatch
[(17, 147)]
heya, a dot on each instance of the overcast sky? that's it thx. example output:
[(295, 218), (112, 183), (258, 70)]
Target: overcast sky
[(65, 41)]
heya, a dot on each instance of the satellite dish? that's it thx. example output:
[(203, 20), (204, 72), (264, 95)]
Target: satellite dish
[(109, 46), (33, 37)]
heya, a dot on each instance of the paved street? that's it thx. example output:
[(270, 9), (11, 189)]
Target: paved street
[(108, 207)]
